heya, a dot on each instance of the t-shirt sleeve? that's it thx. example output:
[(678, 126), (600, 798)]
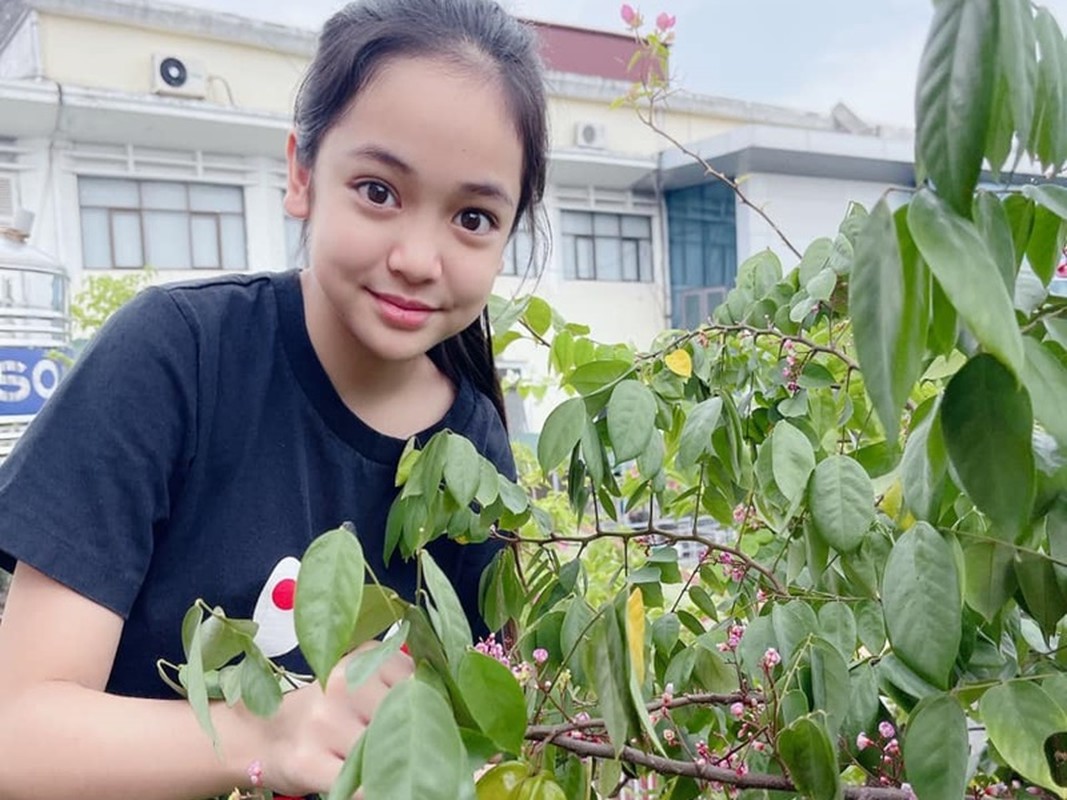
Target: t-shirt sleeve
[(93, 478)]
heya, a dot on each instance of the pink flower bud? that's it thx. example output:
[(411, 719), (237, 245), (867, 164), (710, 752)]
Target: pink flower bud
[(737, 709), (886, 729), (771, 658), (665, 21), (629, 16), (668, 736), (540, 655), (863, 741)]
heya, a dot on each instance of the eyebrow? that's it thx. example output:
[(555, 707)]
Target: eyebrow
[(489, 189)]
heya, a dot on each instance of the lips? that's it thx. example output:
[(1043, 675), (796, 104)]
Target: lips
[(404, 303), (403, 313)]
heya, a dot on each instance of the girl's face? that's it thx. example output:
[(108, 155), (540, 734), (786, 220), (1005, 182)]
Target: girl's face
[(409, 205)]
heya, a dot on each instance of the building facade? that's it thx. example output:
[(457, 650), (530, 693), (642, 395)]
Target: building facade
[(153, 134)]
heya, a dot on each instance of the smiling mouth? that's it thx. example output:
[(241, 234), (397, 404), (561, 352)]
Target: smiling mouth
[(402, 313)]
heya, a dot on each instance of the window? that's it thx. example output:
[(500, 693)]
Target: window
[(518, 254), (606, 247), (163, 224)]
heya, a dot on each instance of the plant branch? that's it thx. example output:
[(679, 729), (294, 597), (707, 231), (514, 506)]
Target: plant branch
[(692, 769), (710, 170), (670, 536)]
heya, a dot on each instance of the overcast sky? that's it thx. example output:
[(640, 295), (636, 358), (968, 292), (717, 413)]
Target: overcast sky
[(806, 54)]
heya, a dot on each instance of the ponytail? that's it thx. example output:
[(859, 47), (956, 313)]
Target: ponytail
[(469, 356)]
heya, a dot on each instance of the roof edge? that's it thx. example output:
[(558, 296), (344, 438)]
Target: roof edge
[(160, 15)]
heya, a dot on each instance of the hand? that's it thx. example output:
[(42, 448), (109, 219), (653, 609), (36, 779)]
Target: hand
[(306, 742)]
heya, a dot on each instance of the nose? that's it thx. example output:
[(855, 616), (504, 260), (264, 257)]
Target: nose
[(415, 256)]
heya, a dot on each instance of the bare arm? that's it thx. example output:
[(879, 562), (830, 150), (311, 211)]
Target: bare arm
[(61, 736)]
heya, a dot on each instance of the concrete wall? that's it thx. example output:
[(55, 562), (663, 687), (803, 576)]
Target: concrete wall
[(116, 57), (803, 208)]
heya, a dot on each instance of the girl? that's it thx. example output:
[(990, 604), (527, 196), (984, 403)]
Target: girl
[(212, 430)]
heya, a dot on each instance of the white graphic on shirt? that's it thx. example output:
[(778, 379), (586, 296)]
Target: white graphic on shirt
[(274, 610)]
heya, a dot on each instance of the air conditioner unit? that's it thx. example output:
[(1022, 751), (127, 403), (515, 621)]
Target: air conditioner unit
[(7, 201), (590, 134), (178, 77)]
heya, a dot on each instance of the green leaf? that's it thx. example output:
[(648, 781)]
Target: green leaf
[(560, 433), (1048, 137), (1019, 61), (793, 460), (631, 415), (699, 424), (838, 626), (260, 690), (604, 659), (963, 267), (992, 223), (351, 776), (596, 375), (841, 499), (329, 592), (989, 577), (413, 747), (870, 626), (495, 699), (794, 622), (195, 681), (821, 287), (593, 452), (1045, 377), (936, 749), (223, 639), (864, 701), (815, 257), (1019, 717), (380, 608), (538, 316), (830, 688), (1041, 591), (1020, 212), (887, 303), (1050, 196), (1046, 241), (921, 600), (987, 425), (953, 97), (447, 613), (462, 470), (367, 662), (809, 756), (924, 467)]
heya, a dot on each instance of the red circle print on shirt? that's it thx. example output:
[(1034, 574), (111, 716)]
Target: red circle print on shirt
[(284, 594)]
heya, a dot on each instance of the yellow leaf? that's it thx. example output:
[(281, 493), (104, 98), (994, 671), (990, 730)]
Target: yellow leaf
[(635, 633), (679, 363)]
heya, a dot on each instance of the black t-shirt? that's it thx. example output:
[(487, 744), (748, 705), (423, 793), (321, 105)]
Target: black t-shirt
[(195, 450)]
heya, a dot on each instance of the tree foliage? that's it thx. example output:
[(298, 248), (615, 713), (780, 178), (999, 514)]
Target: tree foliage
[(867, 445)]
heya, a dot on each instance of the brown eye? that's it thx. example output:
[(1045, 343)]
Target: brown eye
[(376, 193), (475, 221)]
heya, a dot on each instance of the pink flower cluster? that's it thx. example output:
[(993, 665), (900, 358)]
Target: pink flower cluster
[(522, 671), (732, 761), (633, 18), (791, 370), (733, 639), (770, 660), (735, 567)]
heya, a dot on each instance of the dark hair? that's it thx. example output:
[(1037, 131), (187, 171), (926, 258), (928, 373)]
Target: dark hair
[(359, 39)]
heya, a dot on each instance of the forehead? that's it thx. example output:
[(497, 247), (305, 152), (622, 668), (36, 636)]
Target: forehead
[(438, 116)]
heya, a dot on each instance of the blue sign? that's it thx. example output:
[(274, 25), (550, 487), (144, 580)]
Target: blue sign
[(28, 377)]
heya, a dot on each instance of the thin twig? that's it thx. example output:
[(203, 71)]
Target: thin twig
[(692, 769)]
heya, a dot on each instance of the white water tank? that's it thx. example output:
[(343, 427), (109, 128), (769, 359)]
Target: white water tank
[(34, 329)]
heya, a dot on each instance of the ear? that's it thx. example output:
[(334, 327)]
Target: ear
[(297, 202)]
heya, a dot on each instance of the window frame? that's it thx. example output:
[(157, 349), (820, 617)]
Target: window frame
[(574, 245), (142, 210)]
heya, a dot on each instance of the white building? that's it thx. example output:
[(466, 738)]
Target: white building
[(152, 133)]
